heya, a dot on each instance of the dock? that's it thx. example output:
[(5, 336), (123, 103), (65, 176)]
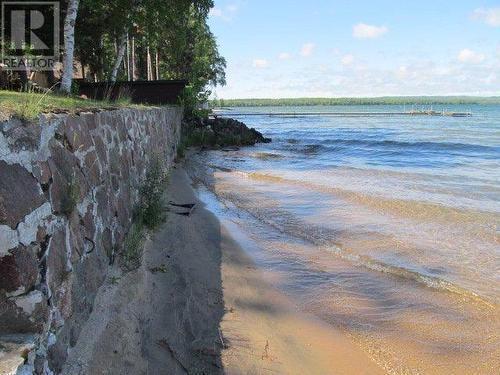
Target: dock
[(342, 114)]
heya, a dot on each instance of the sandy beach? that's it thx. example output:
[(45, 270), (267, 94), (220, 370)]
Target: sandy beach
[(198, 304)]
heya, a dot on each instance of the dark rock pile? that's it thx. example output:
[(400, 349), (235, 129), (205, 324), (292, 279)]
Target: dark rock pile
[(228, 128), (219, 132)]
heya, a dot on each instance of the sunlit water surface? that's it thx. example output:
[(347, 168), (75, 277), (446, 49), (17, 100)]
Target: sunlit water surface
[(386, 227)]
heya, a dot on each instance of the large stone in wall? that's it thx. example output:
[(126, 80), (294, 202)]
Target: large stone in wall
[(23, 314), (58, 261), (20, 194), (22, 136), (75, 135), (19, 270), (69, 185), (91, 167)]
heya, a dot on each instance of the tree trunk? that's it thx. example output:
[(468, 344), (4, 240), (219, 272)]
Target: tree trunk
[(157, 65), (134, 73), (148, 63), (122, 43), (69, 45), (128, 58)]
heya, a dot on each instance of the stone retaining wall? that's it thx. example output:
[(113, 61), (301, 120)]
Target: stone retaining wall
[(67, 189)]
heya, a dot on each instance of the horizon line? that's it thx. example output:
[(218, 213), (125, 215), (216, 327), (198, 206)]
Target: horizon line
[(495, 96)]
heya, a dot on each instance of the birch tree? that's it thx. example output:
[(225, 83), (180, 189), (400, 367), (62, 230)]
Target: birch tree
[(122, 44), (69, 45)]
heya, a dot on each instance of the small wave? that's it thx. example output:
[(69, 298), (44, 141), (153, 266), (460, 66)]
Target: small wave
[(317, 146), (434, 146), (223, 169), (267, 156), (421, 210), (311, 149), (262, 177), (318, 236), (405, 273)]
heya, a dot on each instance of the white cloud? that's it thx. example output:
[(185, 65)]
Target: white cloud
[(469, 56), (307, 49), (364, 31), (320, 77), (490, 16), (347, 60), (227, 13), (260, 63), (284, 56)]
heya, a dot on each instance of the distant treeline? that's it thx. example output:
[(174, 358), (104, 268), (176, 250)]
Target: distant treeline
[(398, 100)]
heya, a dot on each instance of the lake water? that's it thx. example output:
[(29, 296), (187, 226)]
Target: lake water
[(386, 227)]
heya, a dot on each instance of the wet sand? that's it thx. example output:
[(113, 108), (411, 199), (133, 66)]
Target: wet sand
[(198, 304), (399, 277)]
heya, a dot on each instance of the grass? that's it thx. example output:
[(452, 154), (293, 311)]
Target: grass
[(29, 105)]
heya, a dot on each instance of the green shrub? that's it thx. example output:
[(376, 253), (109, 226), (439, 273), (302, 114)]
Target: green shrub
[(133, 247), (181, 150), (70, 198), (197, 137), (151, 210)]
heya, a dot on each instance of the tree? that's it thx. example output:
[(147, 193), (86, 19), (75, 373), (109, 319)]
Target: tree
[(69, 45), (193, 55), (122, 44), (172, 35)]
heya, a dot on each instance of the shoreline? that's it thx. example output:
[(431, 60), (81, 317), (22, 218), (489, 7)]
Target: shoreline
[(198, 303), (267, 333)]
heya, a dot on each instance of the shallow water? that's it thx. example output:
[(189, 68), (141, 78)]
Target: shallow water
[(384, 226)]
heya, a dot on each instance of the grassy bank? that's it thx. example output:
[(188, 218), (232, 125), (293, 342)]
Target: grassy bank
[(30, 105), (395, 100)]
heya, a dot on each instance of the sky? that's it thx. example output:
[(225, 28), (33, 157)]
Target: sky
[(344, 48)]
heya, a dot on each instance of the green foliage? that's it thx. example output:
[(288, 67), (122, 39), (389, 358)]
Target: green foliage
[(133, 247), (176, 30), (149, 213), (181, 150), (151, 208), (98, 25), (397, 100), (196, 137), (70, 198), (203, 137), (197, 132), (190, 99), (75, 88)]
